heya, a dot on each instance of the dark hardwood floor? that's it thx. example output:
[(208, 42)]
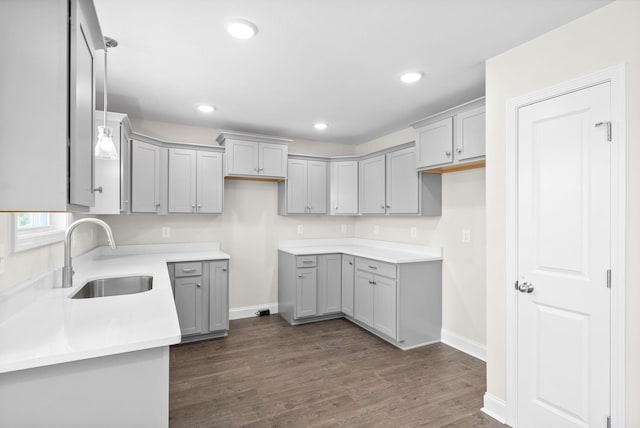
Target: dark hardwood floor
[(325, 374)]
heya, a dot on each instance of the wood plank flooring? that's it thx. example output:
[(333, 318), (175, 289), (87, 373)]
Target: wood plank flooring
[(326, 374)]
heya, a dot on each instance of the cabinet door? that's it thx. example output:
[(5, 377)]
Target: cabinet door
[(363, 304), (81, 109), (344, 187), (372, 185), (210, 186), (108, 176), (434, 144), (242, 157), (182, 181), (347, 284), (402, 182), (306, 292), (317, 187), (273, 159), (297, 186), (470, 134), (218, 297), (384, 312), (329, 284), (145, 177), (188, 297)]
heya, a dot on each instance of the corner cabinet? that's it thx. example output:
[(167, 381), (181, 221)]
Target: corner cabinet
[(48, 167), (309, 287), (148, 169), (305, 189), (452, 140), (201, 296), (255, 157), (343, 187), (195, 181), (389, 184)]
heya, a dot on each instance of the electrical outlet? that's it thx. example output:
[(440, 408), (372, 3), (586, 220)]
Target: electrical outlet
[(414, 232), (300, 229), (376, 229), (166, 232), (343, 228), (466, 236)]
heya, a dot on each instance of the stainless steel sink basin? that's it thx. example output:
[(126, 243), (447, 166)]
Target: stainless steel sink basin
[(114, 287)]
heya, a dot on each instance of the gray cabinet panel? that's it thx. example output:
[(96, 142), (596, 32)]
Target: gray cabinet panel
[(145, 177), (317, 187), (188, 298), (242, 157), (385, 306), (306, 292), (372, 185), (348, 271), (273, 159), (218, 297), (210, 185), (182, 181), (297, 186), (364, 296), (344, 187), (329, 284), (435, 143), (402, 182), (470, 134)]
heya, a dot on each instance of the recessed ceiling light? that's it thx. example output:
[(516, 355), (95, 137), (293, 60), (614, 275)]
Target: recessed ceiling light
[(411, 77), (320, 126), (205, 108), (242, 29)]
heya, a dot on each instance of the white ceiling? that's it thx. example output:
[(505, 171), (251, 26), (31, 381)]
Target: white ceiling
[(337, 61)]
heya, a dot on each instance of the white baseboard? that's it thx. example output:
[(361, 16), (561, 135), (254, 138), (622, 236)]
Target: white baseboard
[(495, 407), (463, 344), (250, 311)]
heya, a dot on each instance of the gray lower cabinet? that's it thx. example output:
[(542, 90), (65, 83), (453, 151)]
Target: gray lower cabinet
[(348, 278), (376, 296), (363, 300), (201, 297), (309, 287)]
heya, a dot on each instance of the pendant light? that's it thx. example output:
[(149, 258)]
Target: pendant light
[(105, 148)]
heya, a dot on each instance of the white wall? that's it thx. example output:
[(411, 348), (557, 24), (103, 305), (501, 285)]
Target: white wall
[(23, 266), (606, 37), (250, 228)]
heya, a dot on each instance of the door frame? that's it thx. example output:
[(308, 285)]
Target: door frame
[(616, 75)]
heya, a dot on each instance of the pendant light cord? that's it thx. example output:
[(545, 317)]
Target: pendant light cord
[(105, 86)]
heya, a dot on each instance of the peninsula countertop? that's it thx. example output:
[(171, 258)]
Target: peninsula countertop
[(391, 252), (40, 325)]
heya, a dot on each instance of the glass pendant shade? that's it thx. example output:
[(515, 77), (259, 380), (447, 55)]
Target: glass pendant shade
[(105, 148)]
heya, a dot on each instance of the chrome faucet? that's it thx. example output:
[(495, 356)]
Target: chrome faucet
[(67, 270)]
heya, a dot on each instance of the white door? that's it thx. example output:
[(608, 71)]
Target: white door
[(563, 323)]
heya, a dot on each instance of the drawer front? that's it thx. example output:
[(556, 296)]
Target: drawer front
[(188, 269), (306, 261), (376, 267)]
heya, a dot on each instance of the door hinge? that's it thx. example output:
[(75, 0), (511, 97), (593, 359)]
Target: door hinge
[(608, 125), (608, 278), (608, 421)]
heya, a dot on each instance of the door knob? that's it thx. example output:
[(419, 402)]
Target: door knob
[(525, 287)]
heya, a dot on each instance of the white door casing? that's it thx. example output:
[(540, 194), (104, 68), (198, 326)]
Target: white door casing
[(564, 253), (559, 267)]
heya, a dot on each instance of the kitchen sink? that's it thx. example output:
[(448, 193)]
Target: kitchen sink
[(114, 287)]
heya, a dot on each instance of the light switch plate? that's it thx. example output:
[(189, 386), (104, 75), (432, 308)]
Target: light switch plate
[(343, 228), (376, 229), (414, 232), (466, 236), (166, 232), (300, 229)]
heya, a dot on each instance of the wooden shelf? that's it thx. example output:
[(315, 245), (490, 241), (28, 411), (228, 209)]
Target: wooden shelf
[(454, 168), (273, 180)]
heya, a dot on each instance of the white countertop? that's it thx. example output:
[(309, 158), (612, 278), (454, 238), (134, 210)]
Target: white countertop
[(40, 325), (385, 251)]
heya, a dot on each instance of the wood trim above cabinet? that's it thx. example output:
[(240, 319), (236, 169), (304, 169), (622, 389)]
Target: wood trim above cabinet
[(454, 168)]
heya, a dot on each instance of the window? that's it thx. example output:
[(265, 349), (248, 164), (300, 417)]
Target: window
[(33, 230)]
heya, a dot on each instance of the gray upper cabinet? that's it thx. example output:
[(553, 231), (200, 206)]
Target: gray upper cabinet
[(55, 158), (195, 181), (255, 157), (452, 140), (348, 270), (329, 284), (372, 185), (305, 190), (402, 182), (111, 178), (344, 187), (145, 177)]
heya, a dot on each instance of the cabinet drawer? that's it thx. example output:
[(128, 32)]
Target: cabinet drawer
[(377, 267), (306, 261), (188, 269)]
